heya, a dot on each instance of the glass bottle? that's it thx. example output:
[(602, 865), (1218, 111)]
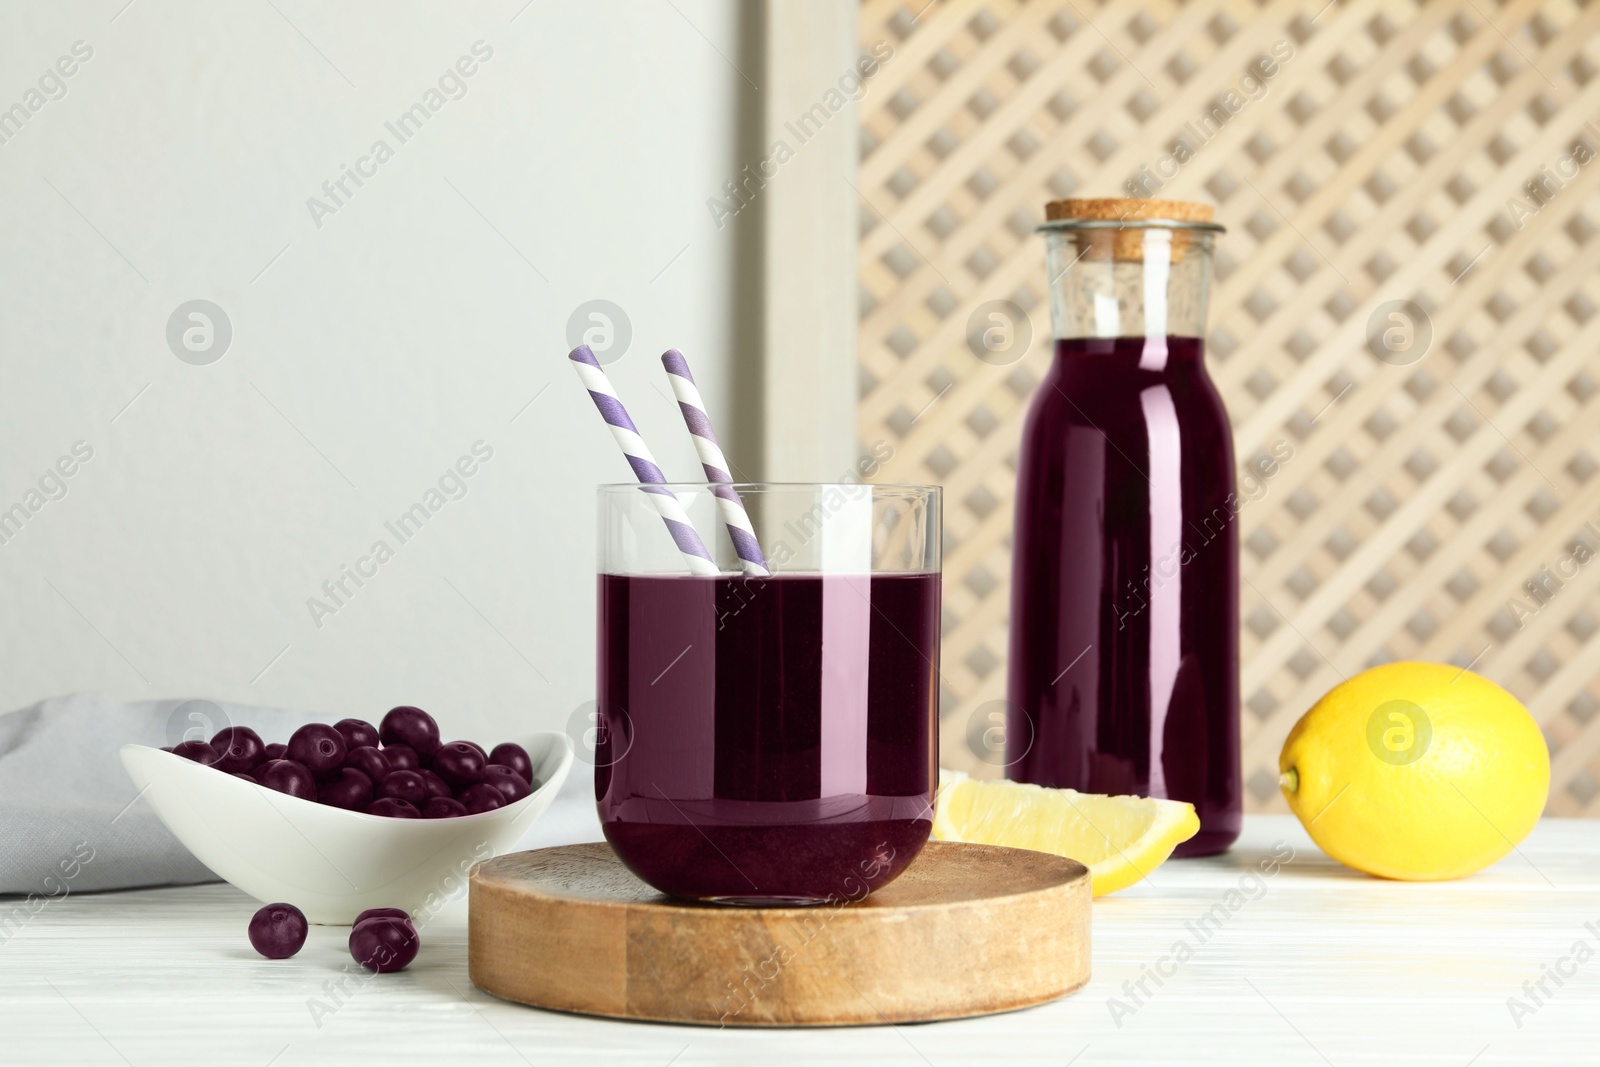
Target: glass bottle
[(1124, 664)]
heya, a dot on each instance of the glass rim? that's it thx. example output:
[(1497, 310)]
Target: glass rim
[(1059, 225), (903, 487)]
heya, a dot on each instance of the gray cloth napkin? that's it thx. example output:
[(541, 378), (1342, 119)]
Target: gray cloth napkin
[(70, 818)]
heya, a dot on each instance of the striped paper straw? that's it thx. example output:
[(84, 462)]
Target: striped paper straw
[(715, 464), (643, 463)]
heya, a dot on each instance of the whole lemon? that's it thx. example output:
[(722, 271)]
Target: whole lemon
[(1419, 771)]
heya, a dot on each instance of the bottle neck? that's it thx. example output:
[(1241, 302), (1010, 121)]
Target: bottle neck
[(1148, 282), (1118, 355)]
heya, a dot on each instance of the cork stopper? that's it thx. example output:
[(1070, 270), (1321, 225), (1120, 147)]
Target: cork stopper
[(1127, 246), (1128, 208)]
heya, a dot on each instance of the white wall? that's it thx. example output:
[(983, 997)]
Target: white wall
[(375, 350)]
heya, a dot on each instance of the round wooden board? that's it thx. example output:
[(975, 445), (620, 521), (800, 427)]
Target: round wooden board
[(966, 930)]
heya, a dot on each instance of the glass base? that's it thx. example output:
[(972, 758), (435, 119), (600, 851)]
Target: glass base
[(766, 902)]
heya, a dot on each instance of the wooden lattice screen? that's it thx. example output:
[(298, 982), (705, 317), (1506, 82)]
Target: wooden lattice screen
[(1387, 159)]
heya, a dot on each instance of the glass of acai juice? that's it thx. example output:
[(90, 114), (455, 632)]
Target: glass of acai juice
[(770, 739)]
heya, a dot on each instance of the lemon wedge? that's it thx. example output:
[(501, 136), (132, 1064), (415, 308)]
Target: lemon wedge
[(1120, 839)]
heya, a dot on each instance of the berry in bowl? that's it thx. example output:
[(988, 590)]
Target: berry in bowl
[(349, 816)]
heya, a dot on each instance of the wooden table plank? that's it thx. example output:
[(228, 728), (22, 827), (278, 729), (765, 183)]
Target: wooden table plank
[(1310, 964)]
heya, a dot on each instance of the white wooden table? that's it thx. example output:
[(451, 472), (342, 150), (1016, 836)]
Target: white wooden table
[(1314, 964)]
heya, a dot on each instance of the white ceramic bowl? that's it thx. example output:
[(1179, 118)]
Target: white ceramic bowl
[(328, 862)]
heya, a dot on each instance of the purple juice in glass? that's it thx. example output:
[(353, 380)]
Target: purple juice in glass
[(767, 740)]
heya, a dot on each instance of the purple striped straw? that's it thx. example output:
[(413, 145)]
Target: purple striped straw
[(715, 464), (643, 463)]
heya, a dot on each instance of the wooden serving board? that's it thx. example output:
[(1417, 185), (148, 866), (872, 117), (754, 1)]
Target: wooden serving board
[(966, 930)]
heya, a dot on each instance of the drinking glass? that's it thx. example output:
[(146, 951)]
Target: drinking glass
[(769, 739)]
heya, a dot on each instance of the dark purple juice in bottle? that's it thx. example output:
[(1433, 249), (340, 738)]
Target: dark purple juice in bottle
[(1124, 664), (767, 739), (1124, 617)]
